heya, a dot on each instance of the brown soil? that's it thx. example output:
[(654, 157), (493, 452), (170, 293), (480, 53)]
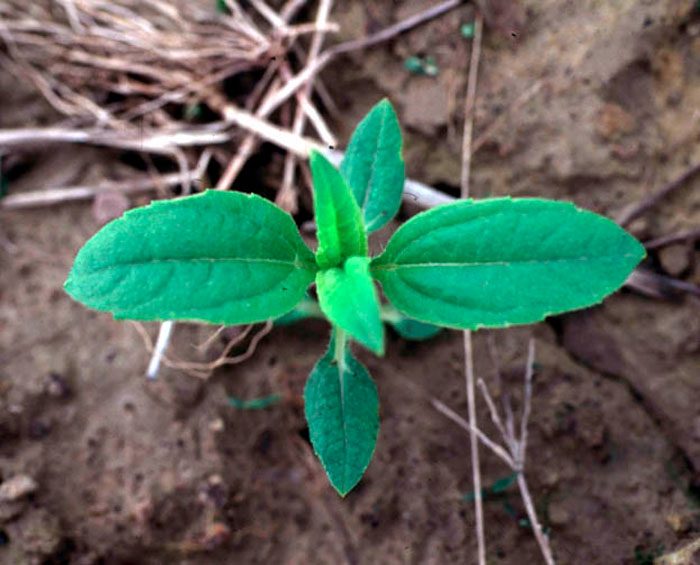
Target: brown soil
[(126, 471)]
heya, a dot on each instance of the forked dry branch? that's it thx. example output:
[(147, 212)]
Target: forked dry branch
[(514, 448)]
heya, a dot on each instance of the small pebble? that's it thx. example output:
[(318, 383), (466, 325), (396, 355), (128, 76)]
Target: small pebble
[(217, 425), (679, 523), (57, 386), (674, 259), (16, 488), (558, 514)]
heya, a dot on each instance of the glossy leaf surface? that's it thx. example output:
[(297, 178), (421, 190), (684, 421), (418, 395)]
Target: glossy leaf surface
[(219, 257), (348, 298), (499, 262), (373, 165), (339, 227), (342, 410)]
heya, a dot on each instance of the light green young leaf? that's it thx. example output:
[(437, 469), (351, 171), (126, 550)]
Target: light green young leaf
[(342, 410), (339, 228), (374, 167), (348, 297), (219, 257), (499, 262)]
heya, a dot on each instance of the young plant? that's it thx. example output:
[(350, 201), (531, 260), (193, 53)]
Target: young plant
[(232, 258)]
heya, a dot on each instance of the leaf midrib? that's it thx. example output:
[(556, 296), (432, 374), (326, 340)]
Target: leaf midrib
[(296, 263), (397, 266), (375, 157)]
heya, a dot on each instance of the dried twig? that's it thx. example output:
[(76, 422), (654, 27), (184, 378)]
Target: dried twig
[(626, 216), (131, 187), (158, 141), (686, 555), (164, 333), (514, 453), (659, 286), (688, 236), (91, 49), (468, 353), (276, 99), (287, 196)]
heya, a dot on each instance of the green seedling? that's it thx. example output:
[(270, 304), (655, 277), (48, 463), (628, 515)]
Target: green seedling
[(467, 30), (425, 66), (254, 403), (496, 489), (233, 258)]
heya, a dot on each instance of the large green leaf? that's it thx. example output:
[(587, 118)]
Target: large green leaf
[(219, 257), (498, 262), (339, 228), (348, 297), (342, 410), (374, 167)]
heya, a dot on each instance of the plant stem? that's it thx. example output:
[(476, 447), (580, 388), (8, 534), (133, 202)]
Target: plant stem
[(341, 339), (390, 314)]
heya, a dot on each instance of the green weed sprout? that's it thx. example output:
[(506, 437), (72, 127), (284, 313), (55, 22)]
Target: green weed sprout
[(233, 258)]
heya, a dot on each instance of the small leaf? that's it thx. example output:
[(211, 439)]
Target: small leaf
[(414, 330), (219, 257), (422, 66), (342, 410), (340, 231), (374, 167), (496, 488), (254, 403), (499, 262), (467, 30), (349, 298)]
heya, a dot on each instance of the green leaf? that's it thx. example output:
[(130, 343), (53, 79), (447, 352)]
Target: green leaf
[(349, 298), (254, 403), (422, 66), (499, 262), (374, 167), (219, 257), (496, 488), (342, 410), (467, 30), (340, 231)]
